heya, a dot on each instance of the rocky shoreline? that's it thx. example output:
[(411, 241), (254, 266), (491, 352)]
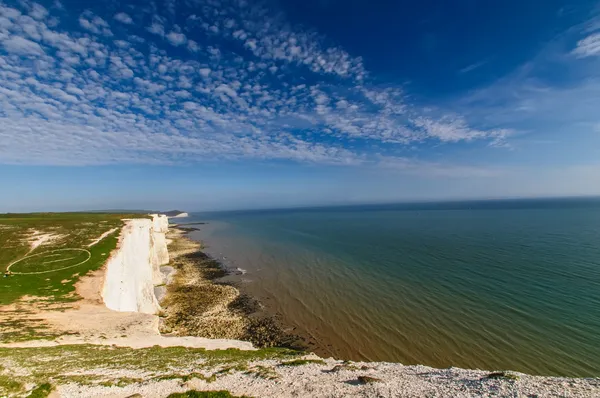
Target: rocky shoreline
[(197, 303), (101, 371)]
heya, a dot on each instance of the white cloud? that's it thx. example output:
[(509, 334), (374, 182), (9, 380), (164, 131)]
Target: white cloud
[(193, 46), (176, 39), (448, 129), (122, 43), (472, 67), (251, 44), (94, 24), (10, 13), (157, 28), (455, 129), (21, 46), (123, 18), (240, 34), (93, 100), (588, 47), (226, 90), (38, 12)]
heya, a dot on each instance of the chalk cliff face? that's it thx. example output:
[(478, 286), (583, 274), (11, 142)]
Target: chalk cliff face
[(159, 255), (160, 223), (134, 269), (180, 215)]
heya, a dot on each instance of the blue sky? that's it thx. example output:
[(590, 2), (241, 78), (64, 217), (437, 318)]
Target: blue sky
[(226, 104)]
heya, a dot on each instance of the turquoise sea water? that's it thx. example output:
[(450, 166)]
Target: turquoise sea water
[(491, 285)]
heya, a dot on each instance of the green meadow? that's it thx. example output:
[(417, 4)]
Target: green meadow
[(50, 270)]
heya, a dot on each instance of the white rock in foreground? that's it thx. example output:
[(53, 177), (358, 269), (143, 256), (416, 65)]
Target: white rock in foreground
[(324, 380)]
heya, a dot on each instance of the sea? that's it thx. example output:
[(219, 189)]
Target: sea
[(497, 285)]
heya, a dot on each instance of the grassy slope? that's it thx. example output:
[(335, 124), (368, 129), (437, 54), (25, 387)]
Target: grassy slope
[(78, 230), (97, 365)]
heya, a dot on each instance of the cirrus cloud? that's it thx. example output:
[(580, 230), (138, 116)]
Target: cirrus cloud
[(231, 87)]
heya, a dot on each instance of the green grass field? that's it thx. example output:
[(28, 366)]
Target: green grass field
[(51, 269)]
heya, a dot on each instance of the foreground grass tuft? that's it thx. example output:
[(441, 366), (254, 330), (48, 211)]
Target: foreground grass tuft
[(502, 375), (300, 362), (264, 372), (205, 394), (41, 391), (8, 385), (367, 380)]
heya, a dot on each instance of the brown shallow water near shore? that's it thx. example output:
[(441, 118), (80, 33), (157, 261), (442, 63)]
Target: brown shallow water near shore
[(198, 302), (267, 280), (272, 304)]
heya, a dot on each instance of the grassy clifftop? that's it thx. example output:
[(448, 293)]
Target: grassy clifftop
[(42, 256), (47, 252)]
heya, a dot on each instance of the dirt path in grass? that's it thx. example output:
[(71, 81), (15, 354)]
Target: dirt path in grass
[(104, 235)]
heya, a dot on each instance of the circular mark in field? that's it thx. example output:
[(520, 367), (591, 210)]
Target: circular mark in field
[(50, 261)]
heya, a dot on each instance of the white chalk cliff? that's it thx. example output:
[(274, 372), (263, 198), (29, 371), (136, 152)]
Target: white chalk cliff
[(134, 269), (180, 215), (159, 255)]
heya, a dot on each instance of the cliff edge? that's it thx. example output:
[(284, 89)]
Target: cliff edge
[(134, 269)]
